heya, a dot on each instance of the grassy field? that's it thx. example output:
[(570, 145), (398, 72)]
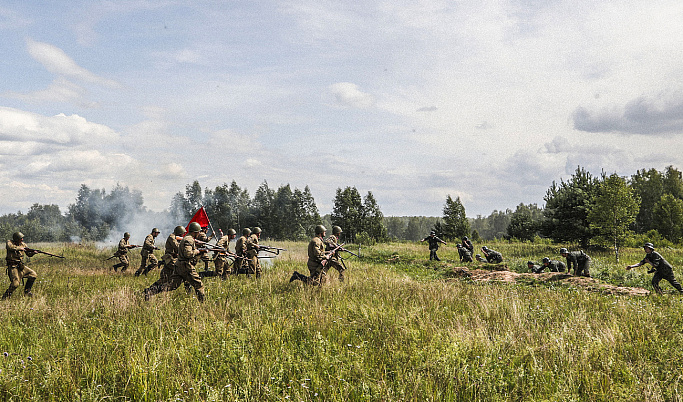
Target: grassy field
[(398, 329)]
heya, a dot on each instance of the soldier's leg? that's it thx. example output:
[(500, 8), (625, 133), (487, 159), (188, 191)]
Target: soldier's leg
[(672, 280), (257, 264), (218, 263), (30, 276), (152, 263), (125, 262), (655, 282), (15, 281), (143, 264), (192, 277), (586, 265)]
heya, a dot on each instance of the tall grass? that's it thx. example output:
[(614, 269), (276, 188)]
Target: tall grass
[(397, 329)]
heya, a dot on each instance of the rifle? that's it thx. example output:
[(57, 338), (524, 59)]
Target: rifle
[(271, 249), (332, 252), (130, 247), (354, 254), (33, 250)]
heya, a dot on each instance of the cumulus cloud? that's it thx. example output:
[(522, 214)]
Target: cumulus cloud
[(660, 115), (56, 61), (349, 95)]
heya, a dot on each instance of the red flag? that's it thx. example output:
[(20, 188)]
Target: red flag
[(200, 217)]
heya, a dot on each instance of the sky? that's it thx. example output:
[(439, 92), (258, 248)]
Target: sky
[(412, 100)]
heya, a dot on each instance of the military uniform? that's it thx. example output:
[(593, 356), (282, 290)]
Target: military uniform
[(556, 266), (663, 270), (148, 260), (335, 261), (222, 263), (252, 249), (464, 253), (184, 271), (581, 262), (205, 257), (468, 245), (16, 270), (169, 259), (122, 254), (493, 257), (241, 251), (535, 269), (316, 256), (433, 246)]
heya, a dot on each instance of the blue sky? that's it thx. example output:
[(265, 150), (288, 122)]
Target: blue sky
[(412, 100)]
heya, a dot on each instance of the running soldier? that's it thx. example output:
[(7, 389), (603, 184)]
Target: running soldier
[(222, 263), (580, 260), (16, 270), (168, 259), (661, 268), (252, 252), (204, 238), (317, 260), (241, 264), (122, 253), (335, 260), (148, 260), (185, 266), (433, 245)]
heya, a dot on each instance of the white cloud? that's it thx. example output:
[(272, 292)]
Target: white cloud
[(349, 95)]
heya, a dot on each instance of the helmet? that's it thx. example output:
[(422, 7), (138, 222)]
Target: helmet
[(458, 245), (546, 260), (529, 263), (563, 251), (17, 236), (179, 230), (464, 238), (246, 232), (256, 230), (126, 235), (231, 232), (155, 230), (649, 245), (432, 233), (485, 248), (320, 229), (336, 230), (195, 227)]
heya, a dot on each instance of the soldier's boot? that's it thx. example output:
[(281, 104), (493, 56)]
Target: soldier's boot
[(200, 296), (8, 292), (117, 266), (28, 286), (295, 276), (188, 287), (341, 276), (148, 268)]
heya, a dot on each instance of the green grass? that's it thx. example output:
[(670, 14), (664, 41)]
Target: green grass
[(397, 329)]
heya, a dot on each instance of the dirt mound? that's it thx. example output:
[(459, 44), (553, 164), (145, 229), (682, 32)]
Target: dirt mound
[(591, 284)]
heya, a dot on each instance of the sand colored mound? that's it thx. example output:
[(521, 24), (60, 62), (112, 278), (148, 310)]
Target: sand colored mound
[(501, 274)]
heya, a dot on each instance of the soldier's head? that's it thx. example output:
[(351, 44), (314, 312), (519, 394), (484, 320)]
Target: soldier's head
[(320, 230), (649, 247), (485, 249), (256, 231), (126, 235), (564, 252), (231, 233), (194, 229), (17, 237), (458, 245), (546, 261), (155, 232), (464, 238), (432, 233), (179, 230), (336, 230), (246, 232), (529, 264)]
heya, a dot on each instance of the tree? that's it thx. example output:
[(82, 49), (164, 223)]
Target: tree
[(668, 217), (648, 185), (372, 218), (613, 210), (455, 223), (348, 212), (262, 206), (566, 209), (525, 222)]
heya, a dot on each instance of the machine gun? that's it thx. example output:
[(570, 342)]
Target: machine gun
[(271, 249), (33, 250)]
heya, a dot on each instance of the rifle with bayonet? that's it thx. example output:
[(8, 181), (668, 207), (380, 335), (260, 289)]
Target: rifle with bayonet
[(271, 249), (129, 246), (33, 250)]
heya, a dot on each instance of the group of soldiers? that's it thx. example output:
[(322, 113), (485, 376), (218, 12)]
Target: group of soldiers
[(183, 250)]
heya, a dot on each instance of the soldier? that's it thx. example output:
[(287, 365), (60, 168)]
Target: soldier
[(204, 238), (122, 253), (492, 256), (580, 260), (223, 267), (316, 260), (241, 251), (185, 266), (433, 245), (252, 252), (148, 261), (169, 258), (553, 265), (467, 244), (464, 253), (335, 260), (661, 268), (16, 270), (535, 269)]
